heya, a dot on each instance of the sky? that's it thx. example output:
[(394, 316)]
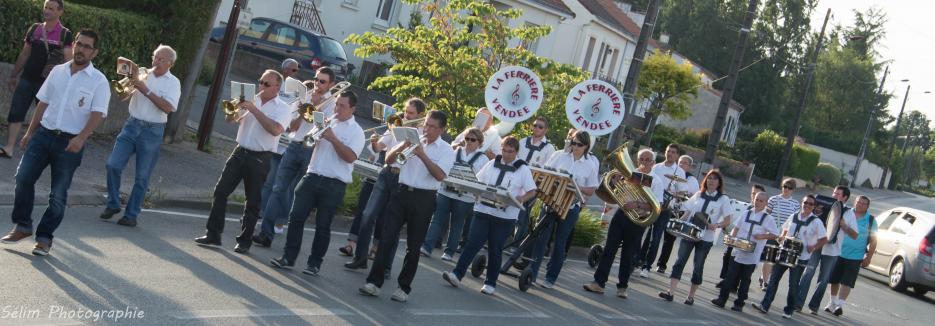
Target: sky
[(909, 45)]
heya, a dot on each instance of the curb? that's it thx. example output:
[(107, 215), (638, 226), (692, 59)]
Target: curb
[(74, 199)]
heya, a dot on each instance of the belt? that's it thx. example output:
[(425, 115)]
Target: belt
[(58, 133), (329, 178), (392, 169), (404, 187), (252, 152)]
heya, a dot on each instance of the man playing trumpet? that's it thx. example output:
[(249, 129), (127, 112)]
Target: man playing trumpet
[(150, 104)]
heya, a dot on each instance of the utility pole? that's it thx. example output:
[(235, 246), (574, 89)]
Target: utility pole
[(863, 145), (889, 153), (796, 123), (714, 138), (629, 86), (220, 75)]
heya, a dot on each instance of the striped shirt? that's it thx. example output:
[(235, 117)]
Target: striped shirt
[(781, 208)]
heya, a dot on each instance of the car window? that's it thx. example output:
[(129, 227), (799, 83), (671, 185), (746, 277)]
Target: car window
[(931, 236), (903, 224), (304, 41), (888, 220), (332, 49), (282, 34), (257, 28)]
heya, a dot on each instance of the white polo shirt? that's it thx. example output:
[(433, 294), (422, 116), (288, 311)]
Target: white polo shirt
[(717, 211), (660, 170), (416, 175), (809, 233), (252, 136), (517, 183), (764, 224), (491, 141), (167, 87), (476, 166), (691, 186), (539, 157), (325, 160), (72, 97), (582, 170), (834, 249)]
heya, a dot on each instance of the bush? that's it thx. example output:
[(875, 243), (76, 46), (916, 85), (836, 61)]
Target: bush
[(349, 205), (828, 174), (588, 230), (206, 76), (803, 162), (663, 136), (767, 151)]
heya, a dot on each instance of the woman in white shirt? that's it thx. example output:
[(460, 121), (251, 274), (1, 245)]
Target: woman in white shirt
[(584, 171), (492, 225), (709, 201), (451, 209)]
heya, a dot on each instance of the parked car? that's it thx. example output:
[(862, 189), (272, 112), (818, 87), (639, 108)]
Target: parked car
[(905, 241), (279, 40)]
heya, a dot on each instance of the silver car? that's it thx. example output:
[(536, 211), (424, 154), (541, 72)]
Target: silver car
[(905, 241)]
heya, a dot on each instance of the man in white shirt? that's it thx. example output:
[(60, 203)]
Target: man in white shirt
[(150, 105), (294, 160), (688, 189), (322, 188), (757, 226), (804, 226), (412, 204), (265, 119), (536, 150), (847, 227), (72, 102), (669, 167)]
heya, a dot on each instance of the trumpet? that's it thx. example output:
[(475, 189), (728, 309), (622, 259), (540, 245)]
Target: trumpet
[(403, 156), (231, 109), (306, 110), (313, 136), (124, 88)]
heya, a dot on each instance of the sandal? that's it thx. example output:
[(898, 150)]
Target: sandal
[(347, 250), (666, 295), (690, 301), (4, 154)]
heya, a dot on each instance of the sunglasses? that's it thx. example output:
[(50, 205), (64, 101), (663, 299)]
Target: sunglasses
[(788, 187), (470, 139), (539, 126), (321, 81), (577, 144), (265, 83), (808, 203)]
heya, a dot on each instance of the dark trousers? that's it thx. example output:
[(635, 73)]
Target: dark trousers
[(251, 167), (668, 241), (621, 231), (365, 189), (737, 273), (412, 207), (701, 249), (488, 229), (795, 274), (653, 238), (313, 192), (372, 220), (726, 262)]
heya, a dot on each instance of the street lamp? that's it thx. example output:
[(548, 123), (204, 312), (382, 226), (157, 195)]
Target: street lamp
[(889, 153)]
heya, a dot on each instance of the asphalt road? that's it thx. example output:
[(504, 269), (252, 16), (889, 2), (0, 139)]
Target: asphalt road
[(155, 269)]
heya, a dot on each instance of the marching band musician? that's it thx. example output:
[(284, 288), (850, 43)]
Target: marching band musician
[(712, 202), (623, 233), (585, 173), (492, 225), (780, 206), (322, 188), (806, 227), (149, 108), (374, 213), (729, 251), (412, 204), (256, 140), (847, 227), (535, 149), (757, 226), (452, 209), (690, 187), (661, 170), (294, 160), (491, 145)]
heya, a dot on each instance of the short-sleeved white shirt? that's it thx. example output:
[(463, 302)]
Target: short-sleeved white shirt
[(251, 134), (717, 210), (809, 234), (491, 141), (691, 186), (416, 175), (582, 170), (325, 160), (539, 157), (72, 97), (834, 249), (518, 183), (167, 87), (765, 224)]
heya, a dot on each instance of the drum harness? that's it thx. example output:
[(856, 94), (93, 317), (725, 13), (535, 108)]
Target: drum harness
[(753, 223), (704, 208)]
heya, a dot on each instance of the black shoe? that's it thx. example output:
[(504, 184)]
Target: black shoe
[(356, 264), (281, 263), (718, 303), (208, 240), (660, 270), (311, 270), (666, 295), (262, 240), (838, 311), (131, 222), (241, 248), (758, 308), (719, 284), (737, 308), (109, 212), (690, 301)]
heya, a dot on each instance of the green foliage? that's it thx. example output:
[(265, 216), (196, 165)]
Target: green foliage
[(828, 174), (928, 165), (668, 86), (588, 230), (767, 148), (206, 76), (351, 193), (447, 63), (803, 163)]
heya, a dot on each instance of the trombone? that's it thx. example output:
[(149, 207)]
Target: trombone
[(124, 87), (306, 110)]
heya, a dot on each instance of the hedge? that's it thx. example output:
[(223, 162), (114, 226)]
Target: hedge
[(828, 174), (767, 151), (803, 162)]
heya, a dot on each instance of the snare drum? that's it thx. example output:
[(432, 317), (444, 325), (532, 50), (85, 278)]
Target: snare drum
[(739, 244), (788, 258), (770, 253), (792, 244), (684, 230)]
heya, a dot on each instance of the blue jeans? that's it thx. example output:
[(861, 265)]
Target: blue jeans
[(23, 97), (143, 139), (795, 274), (45, 149), (701, 249), (313, 192), (291, 168), (557, 259), (270, 179), (376, 206), (447, 210), (826, 263), (492, 230)]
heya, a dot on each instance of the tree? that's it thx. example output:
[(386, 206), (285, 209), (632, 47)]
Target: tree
[(448, 61), (669, 87)]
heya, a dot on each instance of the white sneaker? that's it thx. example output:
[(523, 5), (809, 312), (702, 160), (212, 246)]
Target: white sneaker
[(644, 273), (400, 296), (446, 257), (487, 289), (451, 278), (787, 316), (547, 285), (369, 289), (278, 229), (425, 253)]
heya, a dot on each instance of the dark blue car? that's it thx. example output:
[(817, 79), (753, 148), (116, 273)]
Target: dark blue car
[(279, 40)]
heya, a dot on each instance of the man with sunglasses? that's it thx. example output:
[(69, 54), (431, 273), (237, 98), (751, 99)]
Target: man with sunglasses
[(536, 150), (288, 171), (72, 103), (828, 254), (780, 207), (661, 170), (806, 227), (266, 117)]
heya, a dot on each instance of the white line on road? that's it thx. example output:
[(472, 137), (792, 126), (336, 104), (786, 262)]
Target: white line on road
[(252, 313), (229, 219), (475, 313), (656, 319)]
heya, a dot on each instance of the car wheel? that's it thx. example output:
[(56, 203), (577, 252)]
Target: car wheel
[(897, 278), (920, 290)]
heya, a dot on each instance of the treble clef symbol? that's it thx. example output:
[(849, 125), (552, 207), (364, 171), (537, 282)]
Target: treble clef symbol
[(516, 95), (596, 107)]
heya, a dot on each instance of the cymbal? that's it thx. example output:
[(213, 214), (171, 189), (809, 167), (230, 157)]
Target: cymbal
[(675, 178)]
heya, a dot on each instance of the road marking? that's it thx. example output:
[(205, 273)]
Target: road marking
[(475, 313), (229, 219), (251, 313), (656, 320)]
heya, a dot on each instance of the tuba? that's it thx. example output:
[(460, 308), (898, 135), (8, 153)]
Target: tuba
[(618, 187)]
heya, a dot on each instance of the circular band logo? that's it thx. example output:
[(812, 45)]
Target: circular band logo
[(513, 94), (594, 106)]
